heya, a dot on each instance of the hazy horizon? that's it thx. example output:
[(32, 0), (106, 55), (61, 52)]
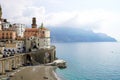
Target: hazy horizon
[(101, 16)]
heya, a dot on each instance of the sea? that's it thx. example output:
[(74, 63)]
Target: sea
[(89, 60)]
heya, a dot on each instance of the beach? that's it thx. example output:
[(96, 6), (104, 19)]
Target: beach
[(35, 73)]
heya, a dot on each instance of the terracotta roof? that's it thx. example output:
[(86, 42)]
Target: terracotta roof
[(31, 29)]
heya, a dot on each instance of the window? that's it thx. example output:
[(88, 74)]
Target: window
[(6, 35), (2, 37), (10, 37), (18, 44), (38, 44), (10, 33), (43, 32)]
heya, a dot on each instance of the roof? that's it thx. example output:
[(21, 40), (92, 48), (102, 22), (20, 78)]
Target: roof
[(31, 29), (35, 29)]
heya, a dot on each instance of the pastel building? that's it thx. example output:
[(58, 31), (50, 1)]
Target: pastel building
[(10, 35)]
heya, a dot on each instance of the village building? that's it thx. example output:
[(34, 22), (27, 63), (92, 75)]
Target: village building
[(38, 38), (7, 35), (20, 48), (16, 38), (5, 24), (38, 32), (19, 28), (1, 51), (10, 49)]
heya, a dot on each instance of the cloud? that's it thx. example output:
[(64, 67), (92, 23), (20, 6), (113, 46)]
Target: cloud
[(98, 20)]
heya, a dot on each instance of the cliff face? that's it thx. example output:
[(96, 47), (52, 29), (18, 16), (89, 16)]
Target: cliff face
[(43, 56)]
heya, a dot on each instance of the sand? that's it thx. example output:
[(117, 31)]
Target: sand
[(35, 73)]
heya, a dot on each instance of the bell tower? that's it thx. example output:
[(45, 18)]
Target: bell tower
[(0, 12), (0, 18), (34, 25)]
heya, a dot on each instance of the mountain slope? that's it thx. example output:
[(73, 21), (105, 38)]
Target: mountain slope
[(77, 35)]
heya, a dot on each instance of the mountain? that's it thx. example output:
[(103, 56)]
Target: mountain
[(60, 34)]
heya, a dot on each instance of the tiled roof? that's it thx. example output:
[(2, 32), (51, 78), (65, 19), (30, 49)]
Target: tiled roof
[(35, 29), (31, 29)]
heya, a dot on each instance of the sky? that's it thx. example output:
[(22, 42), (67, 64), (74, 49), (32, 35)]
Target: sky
[(101, 16)]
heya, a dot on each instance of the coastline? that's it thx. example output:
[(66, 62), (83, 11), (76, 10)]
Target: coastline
[(55, 74), (39, 72)]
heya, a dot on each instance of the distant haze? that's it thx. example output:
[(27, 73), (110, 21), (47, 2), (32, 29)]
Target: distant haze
[(101, 16), (62, 34)]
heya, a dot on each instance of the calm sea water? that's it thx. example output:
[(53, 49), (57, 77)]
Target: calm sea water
[(90, 61)]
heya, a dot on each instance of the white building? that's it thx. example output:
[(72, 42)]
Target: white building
[(20, 28), (6, 25)]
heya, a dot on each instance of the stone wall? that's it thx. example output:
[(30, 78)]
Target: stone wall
[(40, 55)]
